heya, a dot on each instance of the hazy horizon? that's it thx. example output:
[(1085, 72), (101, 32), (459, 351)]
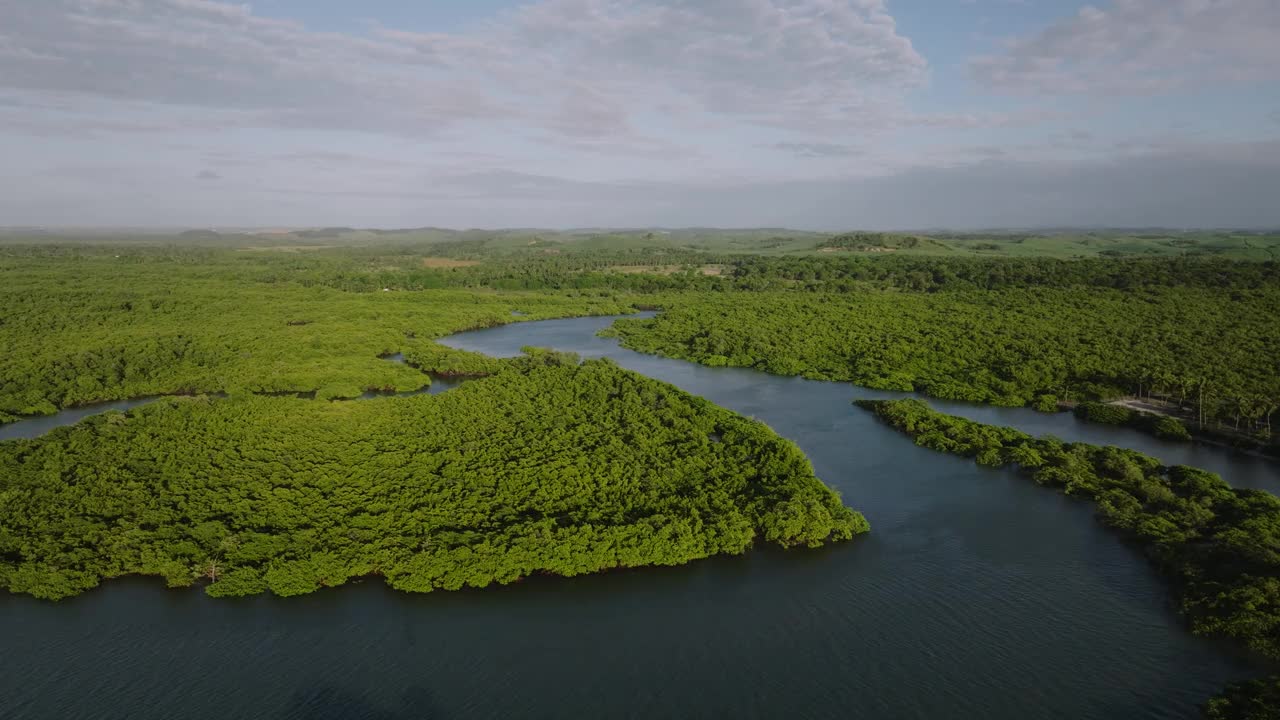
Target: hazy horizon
[(282, 229), (798, 114)]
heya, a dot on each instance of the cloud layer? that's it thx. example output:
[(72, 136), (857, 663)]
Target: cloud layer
[(814, 113), (578, 68), (1141, 46)]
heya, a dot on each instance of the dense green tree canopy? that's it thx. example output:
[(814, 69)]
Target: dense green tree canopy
[(544, 467), (1212, 349), (80, 331), (109, 322)]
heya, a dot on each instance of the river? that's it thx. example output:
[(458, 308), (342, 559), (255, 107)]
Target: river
[(976, 595)]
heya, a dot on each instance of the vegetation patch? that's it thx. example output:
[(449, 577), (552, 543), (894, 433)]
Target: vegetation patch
[(704, 270), (1162, 426), (1210, 349), (1249, 700), (882, 242), (444, 262), (547, 466), (130, 330)]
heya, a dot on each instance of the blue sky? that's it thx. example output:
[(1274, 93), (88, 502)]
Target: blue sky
[(824, 114)]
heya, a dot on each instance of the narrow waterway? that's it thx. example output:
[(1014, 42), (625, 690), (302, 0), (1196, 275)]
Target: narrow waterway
[(977, 595), (725, 387), (34, 427)]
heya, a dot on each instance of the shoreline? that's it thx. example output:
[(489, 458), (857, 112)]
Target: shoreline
[(1215, 437)]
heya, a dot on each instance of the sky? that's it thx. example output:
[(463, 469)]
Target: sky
[(809, 114)]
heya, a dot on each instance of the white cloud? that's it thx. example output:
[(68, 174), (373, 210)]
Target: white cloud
[(676, 111), (577, 68), (1141, 46), (771, 61), (817, 150)]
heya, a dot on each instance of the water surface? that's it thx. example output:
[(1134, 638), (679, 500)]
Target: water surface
[(39, 425), (977, 595)]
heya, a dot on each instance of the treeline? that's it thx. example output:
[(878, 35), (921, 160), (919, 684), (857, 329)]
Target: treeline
[(875, 241), (1211, 351), (1218, 546), (373, 268), (582, 270), (935, 273), (545, 467), (594, 271)]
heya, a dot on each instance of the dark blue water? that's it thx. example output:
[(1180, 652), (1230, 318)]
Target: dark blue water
[(977, 595)]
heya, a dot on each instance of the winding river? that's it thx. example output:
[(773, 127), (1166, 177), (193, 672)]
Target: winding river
[(977, 595)]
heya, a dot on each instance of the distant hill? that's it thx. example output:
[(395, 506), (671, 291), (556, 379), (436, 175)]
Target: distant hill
[(475, 243), (200, 235), (882, 242)]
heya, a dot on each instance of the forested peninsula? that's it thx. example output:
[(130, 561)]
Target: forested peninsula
[(545, 467), (1210, 351), (1218, 546)]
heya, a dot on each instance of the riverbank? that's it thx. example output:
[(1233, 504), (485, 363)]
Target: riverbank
[(1202, 535), (1213, 435)]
